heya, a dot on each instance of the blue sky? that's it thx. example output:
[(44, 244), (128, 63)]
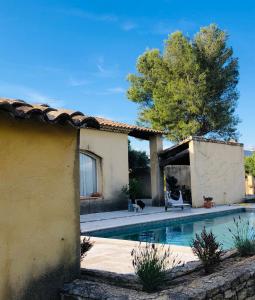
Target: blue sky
[(77, 54)]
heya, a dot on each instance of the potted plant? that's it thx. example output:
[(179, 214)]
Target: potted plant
[(208, 202), (131, 191)]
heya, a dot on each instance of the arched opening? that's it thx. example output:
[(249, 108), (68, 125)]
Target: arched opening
[(89, 175)]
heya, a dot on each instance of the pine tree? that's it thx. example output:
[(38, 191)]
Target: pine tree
[(189, 89)]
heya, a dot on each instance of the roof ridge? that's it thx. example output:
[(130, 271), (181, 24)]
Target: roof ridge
[(18, 108)]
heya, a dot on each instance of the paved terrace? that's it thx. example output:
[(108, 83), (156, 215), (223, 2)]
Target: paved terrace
[(114, 255)]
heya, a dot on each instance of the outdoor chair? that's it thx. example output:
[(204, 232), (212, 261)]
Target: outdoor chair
[(170, 202)]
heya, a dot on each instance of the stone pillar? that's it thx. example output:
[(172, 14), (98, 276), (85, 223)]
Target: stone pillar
[(157, 173)]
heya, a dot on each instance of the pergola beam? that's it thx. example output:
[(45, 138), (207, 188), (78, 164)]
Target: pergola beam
[(170, 160)]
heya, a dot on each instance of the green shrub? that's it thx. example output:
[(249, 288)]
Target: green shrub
[(243, 236), (86, 245), (131, 190), (207, 249), (150, 263)]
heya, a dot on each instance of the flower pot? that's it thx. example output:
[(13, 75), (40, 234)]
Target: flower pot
[(208, 204)]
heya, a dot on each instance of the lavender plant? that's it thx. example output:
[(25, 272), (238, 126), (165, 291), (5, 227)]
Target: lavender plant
[(243, 236), (86, 245), (151, 262), (207, 249)]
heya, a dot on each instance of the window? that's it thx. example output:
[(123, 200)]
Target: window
[(88, 175)]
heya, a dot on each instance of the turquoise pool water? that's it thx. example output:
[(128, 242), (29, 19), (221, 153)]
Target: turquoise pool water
[(181, 232)]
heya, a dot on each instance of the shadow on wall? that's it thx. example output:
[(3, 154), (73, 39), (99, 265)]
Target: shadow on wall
[(181, 173), (48, 285)]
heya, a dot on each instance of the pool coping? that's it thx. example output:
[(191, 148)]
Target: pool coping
[(175, 218)]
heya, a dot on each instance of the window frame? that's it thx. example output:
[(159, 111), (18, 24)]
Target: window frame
[(99, 185)]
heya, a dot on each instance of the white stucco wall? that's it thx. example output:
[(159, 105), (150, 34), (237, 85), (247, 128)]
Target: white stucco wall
[(217, 170), (112, 148)]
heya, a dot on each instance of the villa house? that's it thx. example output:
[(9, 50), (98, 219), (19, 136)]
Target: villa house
[(46, 165), (53, 161), (104, 164), (39, 204)]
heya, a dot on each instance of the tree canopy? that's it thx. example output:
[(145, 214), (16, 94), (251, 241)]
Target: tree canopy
[(137, 159), (249, 163), (190, 88)]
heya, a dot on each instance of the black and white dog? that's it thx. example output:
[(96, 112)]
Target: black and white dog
[(139, 203)]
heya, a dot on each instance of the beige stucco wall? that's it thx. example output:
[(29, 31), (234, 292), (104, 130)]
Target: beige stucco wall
[(112, 148), (217, 170), (39, 208), (249, 185)]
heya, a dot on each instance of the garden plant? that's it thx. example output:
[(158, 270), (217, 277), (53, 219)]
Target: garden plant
[(86, 245), (207, 249), (151, 262), (243, 235)]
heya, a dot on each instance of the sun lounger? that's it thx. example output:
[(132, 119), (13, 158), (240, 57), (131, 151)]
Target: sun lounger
[(170, 202)]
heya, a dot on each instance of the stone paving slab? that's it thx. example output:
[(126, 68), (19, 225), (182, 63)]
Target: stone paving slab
[(115, 255), (118, 214)]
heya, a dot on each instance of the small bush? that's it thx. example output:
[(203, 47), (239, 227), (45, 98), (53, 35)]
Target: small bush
[(207, 249), (86, 245), (243, 236), (131, 190), (150, 263)]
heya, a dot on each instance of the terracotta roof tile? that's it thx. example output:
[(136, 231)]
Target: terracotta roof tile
[(20, 109), (44, 107), (126, 127)]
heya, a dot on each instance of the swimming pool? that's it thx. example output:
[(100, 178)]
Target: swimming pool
[(181, 231)]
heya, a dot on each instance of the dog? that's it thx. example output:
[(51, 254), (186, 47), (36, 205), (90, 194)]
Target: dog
[(141, 204), (138, 204)]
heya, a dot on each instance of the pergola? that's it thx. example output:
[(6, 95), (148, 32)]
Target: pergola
[(176, 155), (215, 168)]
